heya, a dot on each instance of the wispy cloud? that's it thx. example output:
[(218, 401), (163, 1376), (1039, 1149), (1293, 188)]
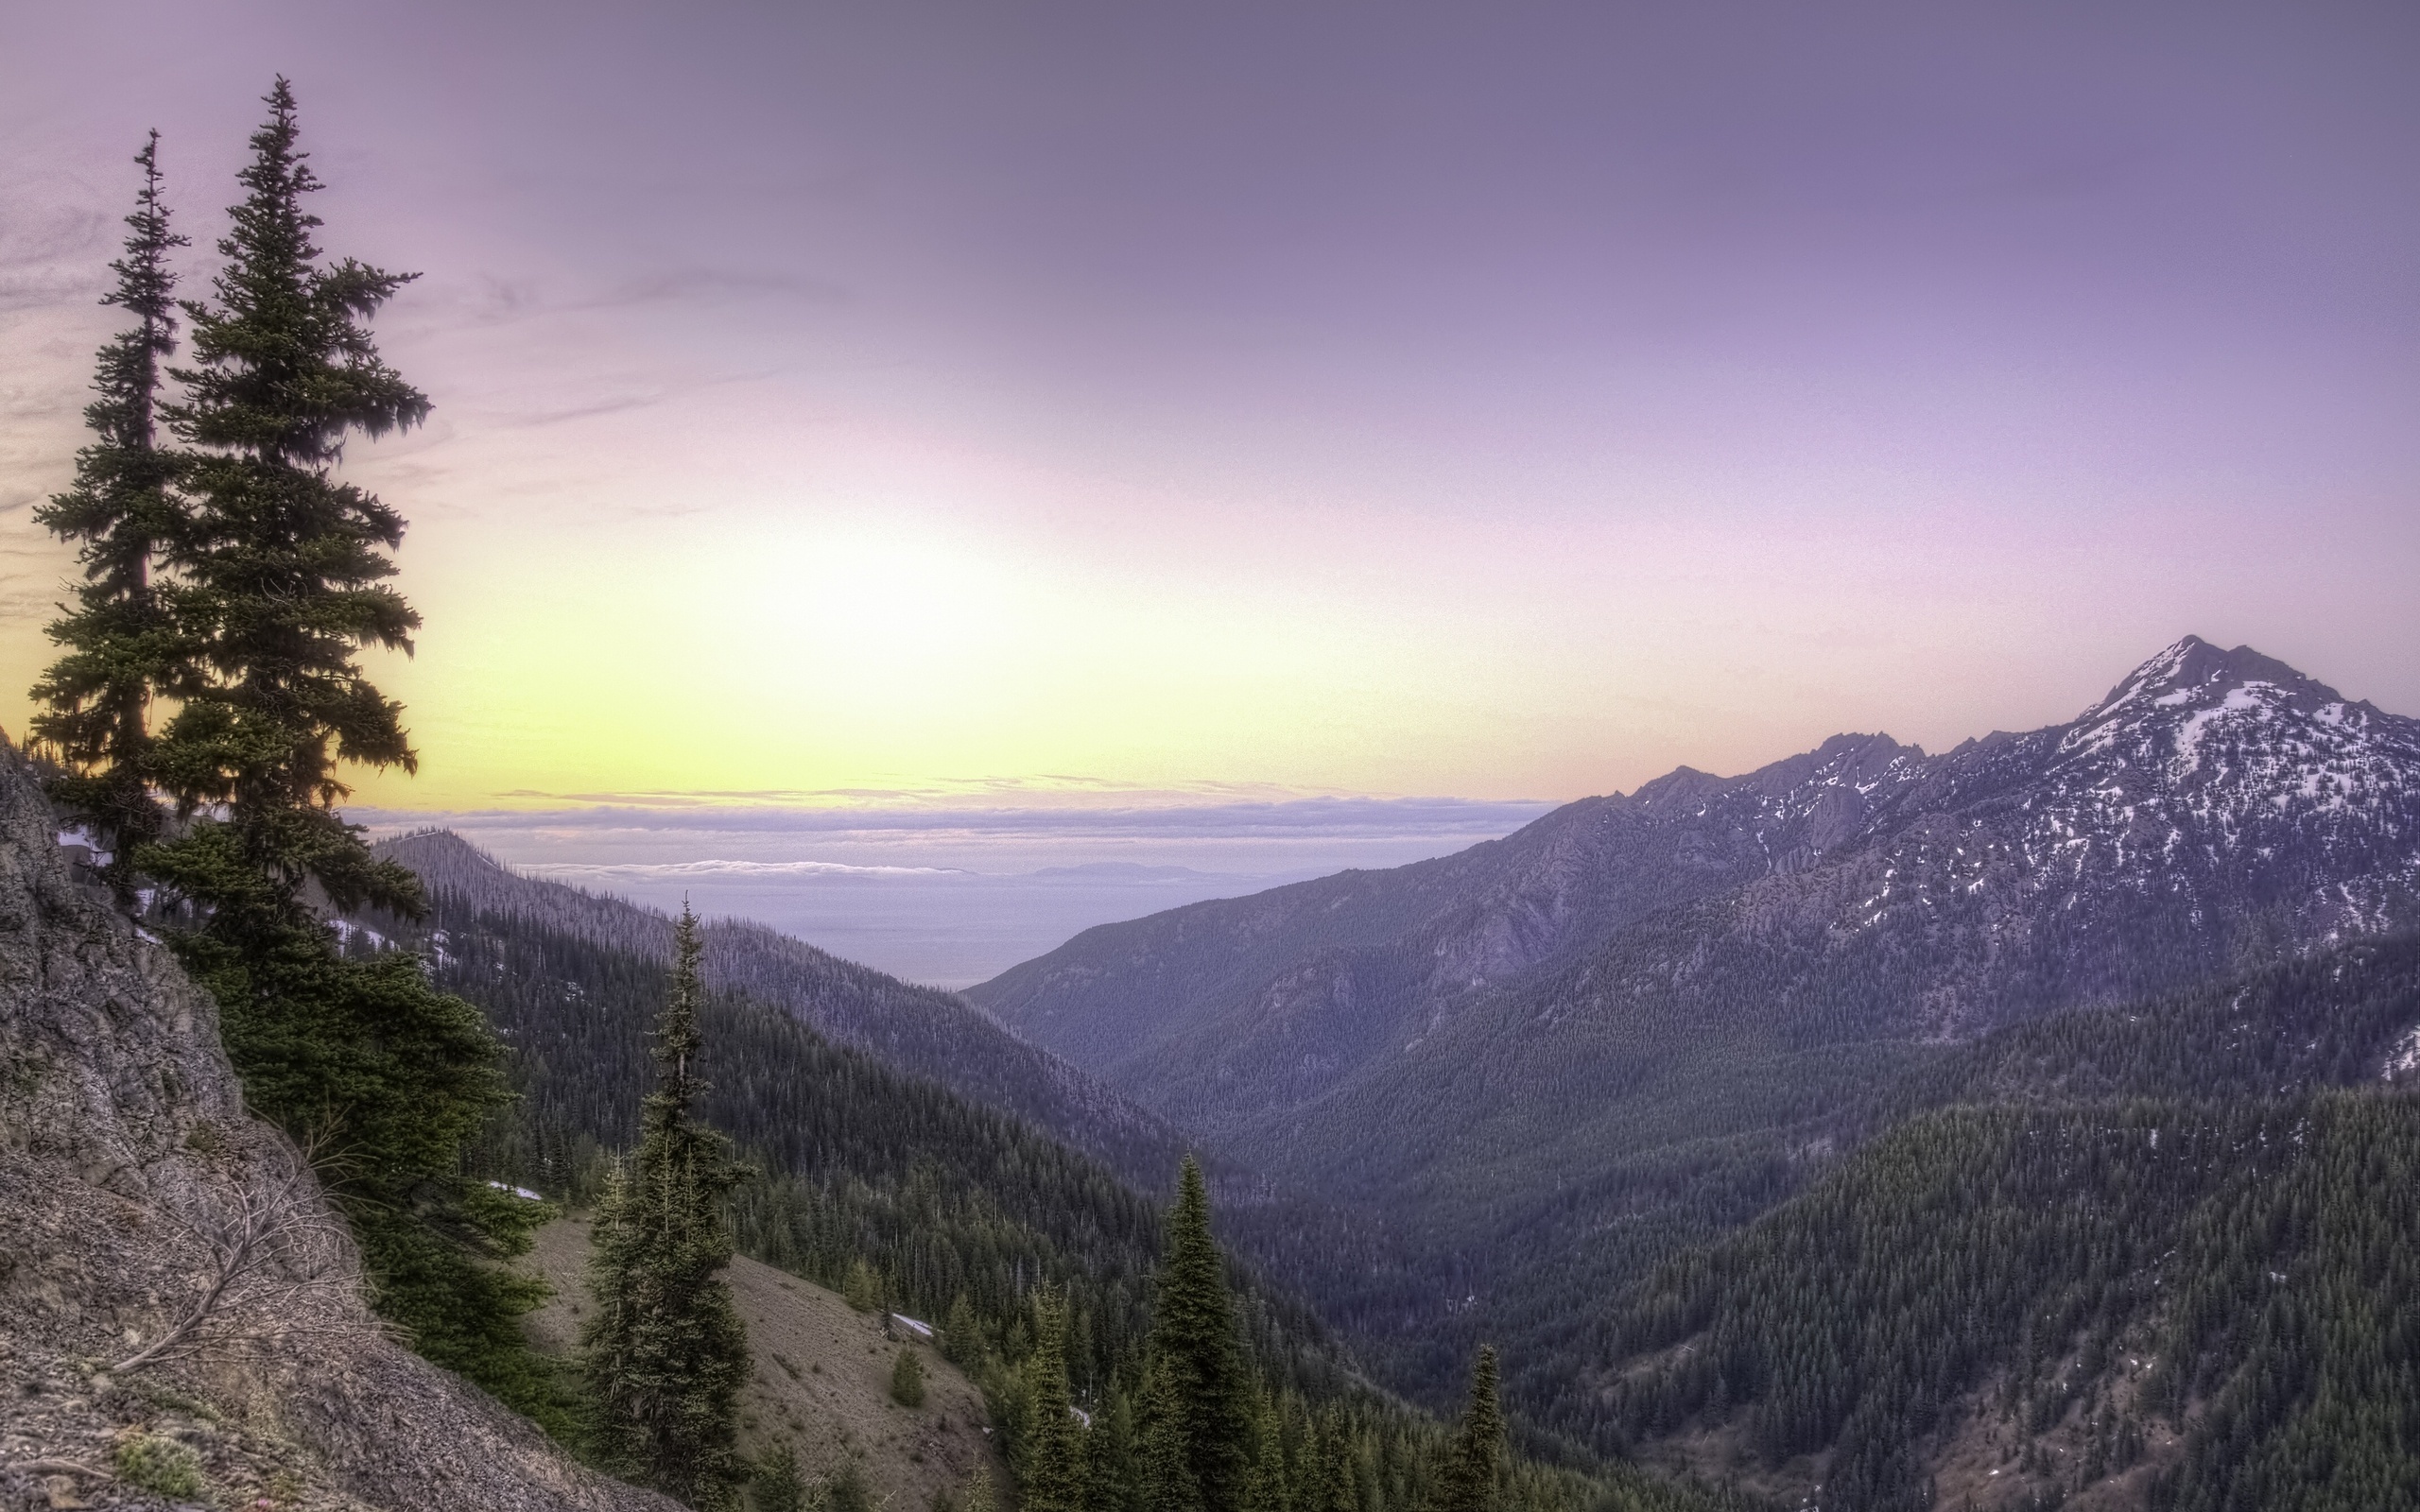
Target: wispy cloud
[(1297, 818), (720, 871), (493, 301)]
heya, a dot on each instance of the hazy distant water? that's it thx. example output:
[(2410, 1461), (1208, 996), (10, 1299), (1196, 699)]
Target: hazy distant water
[(951, 896), (949, 929)]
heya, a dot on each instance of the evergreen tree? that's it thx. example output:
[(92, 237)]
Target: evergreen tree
[(1053, 1478), (863, 1289), (963, 1343), (272, 589), (666, 1353), (778, 1485), (1466, 1479), (1266, 1490), (847, 1492), (283, 572), (120, 649), (979, 1495), (1194, 1340), (907, 1378), (1111, 1474), (1170, 1483), (1337, 1488)]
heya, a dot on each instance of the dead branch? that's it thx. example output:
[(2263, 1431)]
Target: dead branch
[(268, 1250)]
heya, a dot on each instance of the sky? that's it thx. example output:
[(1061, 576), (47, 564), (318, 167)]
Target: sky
[(1039, 435)]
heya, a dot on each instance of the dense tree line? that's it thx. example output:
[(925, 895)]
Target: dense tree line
[(2170, 1183), (2234, 1278)]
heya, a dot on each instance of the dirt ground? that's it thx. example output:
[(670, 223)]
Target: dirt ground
[(820, 1379)]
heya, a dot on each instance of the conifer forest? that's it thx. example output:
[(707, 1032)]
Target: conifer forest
[(2029, 1121)]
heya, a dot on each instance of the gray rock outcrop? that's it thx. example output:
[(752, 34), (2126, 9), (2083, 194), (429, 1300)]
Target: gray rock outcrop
[(131, 1181)]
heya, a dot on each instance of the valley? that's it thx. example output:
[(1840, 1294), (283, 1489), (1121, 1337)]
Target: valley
[(951, 876), (1607, 1091), (1566, 1060)]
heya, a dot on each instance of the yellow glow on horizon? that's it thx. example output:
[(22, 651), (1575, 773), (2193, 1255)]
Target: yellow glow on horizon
[(863, 608), (824, 655)]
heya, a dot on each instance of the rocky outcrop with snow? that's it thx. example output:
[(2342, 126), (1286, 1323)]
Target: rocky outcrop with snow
[(2216, 807)]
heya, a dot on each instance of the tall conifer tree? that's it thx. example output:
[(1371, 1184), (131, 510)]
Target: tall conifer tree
[(1170, 1483), (1113, 1478), (283, 569), (1194, 1339), (275, 582), (1466, 1479), (1054, 1440), (1337, 1487), (120, 650), (666, 1353), (1266, 1488)]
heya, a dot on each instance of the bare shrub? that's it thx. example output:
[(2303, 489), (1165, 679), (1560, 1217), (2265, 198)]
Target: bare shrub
[(273, 1269)]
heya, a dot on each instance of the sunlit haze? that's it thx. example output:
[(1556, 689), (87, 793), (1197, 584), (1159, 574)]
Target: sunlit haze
[(925, 413)]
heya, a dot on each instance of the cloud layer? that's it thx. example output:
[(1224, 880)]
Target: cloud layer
[(953, 895)]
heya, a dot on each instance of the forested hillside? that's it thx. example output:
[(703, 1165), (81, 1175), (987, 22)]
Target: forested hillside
[(898, 1192), (1555, 1061), (915, 1030), (2160, 1303), (1956, 1303)]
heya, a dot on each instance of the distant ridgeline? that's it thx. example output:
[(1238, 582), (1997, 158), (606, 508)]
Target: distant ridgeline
[(1571, 1068), (882, 1178), (916, 1030)]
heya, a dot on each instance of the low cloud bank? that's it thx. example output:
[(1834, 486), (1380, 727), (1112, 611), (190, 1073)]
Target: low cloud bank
[(952, 893), (1452, 818)]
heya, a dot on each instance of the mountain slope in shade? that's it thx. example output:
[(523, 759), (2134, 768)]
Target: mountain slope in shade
[(1645, 1019), (912, 1029), (2215, 804), (2157, 1256)]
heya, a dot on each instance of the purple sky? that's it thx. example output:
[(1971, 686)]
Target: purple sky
[(1510, 401)]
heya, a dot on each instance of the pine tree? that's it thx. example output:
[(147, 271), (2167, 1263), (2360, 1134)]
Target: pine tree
[(1170, 1483), (1111, 1474), (1337, 1488), (863, 1288), (1466, 1479), (1053, 1471), (907, 1378), (777, 1484), (283, 571), (847, 1492), (962, 1342), (120, 648), (270, 587), (1194, 1340), (979, 1495), (1265, 1489), (666, 1353)]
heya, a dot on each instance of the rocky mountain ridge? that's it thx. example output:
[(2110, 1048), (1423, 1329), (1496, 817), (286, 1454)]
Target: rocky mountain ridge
[(2214, 802), (1556, 1059)]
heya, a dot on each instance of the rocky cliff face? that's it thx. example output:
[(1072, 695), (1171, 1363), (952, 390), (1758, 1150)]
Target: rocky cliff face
[(138, 1198)]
